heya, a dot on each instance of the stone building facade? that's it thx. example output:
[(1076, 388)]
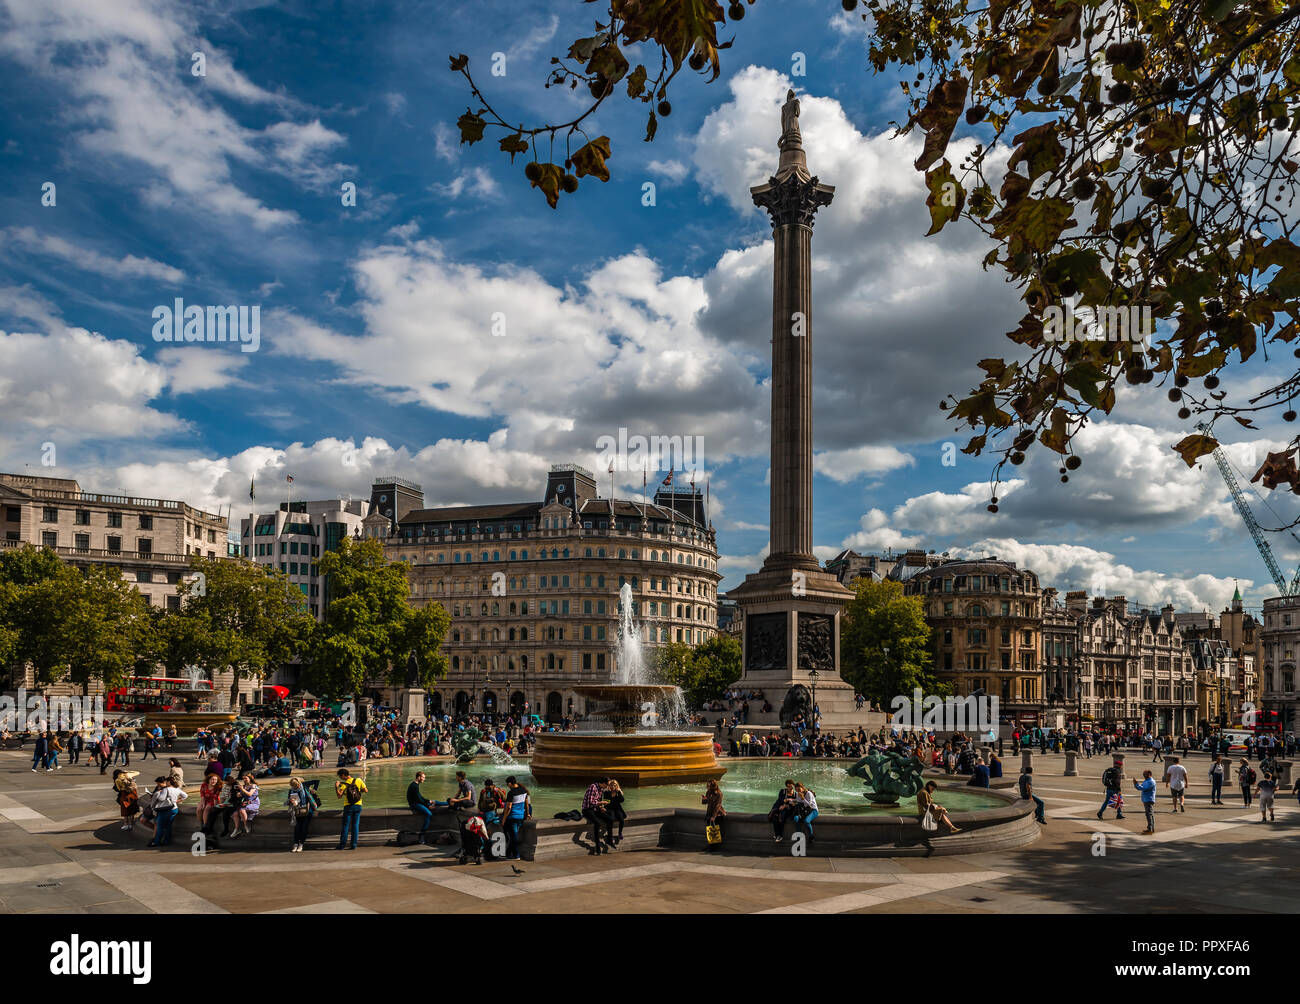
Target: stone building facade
[(1280, 642), (985, 616), (533, 587)]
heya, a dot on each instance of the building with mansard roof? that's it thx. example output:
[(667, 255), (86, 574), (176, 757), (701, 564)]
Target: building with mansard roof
[(533, 587)]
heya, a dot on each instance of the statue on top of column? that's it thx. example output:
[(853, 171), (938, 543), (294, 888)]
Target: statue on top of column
[(790, 136)]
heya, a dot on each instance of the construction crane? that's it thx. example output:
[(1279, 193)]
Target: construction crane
[(1248, 517)]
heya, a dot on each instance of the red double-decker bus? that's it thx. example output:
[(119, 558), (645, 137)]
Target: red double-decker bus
[(143, 694)]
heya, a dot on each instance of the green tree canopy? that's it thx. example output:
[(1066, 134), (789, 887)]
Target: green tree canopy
[(880, 617), (242, 618), (370, 629), (68, 626)]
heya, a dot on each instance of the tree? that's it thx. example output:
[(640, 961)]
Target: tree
[(880, 617), (1150, 169), (703, 672), (370, 629), (66, 625), (246, 619)]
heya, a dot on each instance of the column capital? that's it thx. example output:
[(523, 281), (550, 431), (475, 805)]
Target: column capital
[(792, 198)]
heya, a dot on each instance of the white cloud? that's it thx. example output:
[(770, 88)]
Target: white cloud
[(475, 182), (672, 170), (128, 267), (846, 465), (194, 368)]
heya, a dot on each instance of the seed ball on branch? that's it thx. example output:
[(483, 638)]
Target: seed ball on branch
[(1073, 463), (1181, 381), (1175, 394), (975, 114), (1017, 458), (1084, 188), (1184, 413), (696, 61), (664, 108), (846, 4), (569, 183), (1211, 381), (532, 170), (1288, 416)]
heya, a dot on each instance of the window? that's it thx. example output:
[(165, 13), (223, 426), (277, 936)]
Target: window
[(13, 514), (49, 514), (144, 545), (49, 539), (173, 602), (146, 523), (81, 541), (82, 517), (114, 544)]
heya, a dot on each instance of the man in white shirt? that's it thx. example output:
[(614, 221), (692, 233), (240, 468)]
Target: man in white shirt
[(1176, 778)]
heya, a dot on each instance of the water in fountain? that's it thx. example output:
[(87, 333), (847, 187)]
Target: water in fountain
[(670, 708), (499, 756)]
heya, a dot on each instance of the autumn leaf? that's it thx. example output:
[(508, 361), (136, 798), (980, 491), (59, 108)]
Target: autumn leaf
[(459, 63), (636, 82), (471, 127), (549, 177), (946, 198), (1194, 446), (591, 158), (938, 118), (514, 144)]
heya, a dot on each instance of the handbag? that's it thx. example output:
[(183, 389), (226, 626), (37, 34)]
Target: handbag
[(713, 833), (928, 822)]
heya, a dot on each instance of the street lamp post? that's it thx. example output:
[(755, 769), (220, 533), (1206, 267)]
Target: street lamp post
[(812, 678)]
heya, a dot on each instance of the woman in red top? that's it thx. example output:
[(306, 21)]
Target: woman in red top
[(209, 797)]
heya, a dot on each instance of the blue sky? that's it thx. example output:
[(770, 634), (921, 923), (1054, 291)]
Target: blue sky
[(376, 350)]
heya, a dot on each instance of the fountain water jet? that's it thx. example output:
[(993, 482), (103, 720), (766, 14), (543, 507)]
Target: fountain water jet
[(637, 751)]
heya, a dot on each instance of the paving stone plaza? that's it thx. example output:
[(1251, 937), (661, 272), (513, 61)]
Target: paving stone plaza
[(60, 853)]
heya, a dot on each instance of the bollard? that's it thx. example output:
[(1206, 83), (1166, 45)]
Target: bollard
[(1026, 758), (1071, 763)]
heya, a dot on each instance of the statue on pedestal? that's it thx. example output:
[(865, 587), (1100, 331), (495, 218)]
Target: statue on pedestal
[(790, 135)]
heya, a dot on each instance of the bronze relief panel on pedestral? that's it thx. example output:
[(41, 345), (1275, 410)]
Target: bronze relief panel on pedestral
[(817, 642), (765, 638)]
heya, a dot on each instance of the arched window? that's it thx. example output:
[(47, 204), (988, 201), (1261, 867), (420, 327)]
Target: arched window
[(523, 609), (565, 581), (455, 662), (496, 555), (600, 582), (654, 555), (566, 552), (512, 555), (636, 553), (496, 634), (622, 553), (512, 608), (523, 555), (482, 610), (455, 636), (482, 634), (511, 634), (523, 634), (554, 553), (975, 610), (496, 609), (600, 552), (484, 556), (456, 557)]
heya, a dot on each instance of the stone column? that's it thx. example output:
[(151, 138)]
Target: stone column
[(792, 197), (1284, 777), (1071, 763), (1026, 758)]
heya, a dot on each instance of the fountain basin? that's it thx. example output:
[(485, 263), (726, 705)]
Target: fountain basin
[(635, 759)]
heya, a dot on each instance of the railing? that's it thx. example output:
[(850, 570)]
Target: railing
[(58, 494), (99, 552)]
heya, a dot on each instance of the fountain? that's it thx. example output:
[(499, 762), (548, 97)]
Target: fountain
[(645, 743), (164, 702)]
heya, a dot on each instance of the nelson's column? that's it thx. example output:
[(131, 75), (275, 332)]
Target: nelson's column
[(790, 609)]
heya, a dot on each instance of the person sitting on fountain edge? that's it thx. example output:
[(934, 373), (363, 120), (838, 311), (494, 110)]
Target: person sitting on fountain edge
[(464, 797), (979, 777), (593, 810)]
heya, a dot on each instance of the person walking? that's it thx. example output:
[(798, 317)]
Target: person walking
[(75, 745), (1216, 780), (1266, 790), (519, 808), (1246, 779), (420, 806), (150, 747), (40, 751), (105, 754), (1114, 799), (350, 789), (1026, 784), (302, 803), (1147, 786), (713, 812), (52, 757), (1176, 778)]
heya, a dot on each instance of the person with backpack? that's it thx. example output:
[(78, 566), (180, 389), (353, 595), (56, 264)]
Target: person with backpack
[(350, 789), (165, 800), (491, 799), (1115, 800), (1246, 779), (1216, 781)]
